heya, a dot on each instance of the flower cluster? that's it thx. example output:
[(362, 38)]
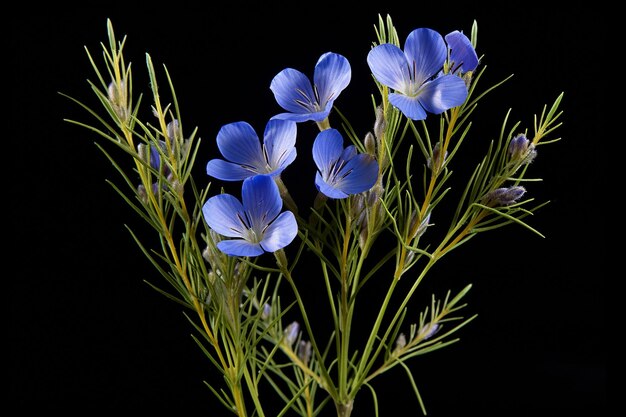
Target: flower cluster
[(430, 75), (367, 185)]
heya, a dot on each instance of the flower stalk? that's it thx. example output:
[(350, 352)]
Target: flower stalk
[(373, 221)]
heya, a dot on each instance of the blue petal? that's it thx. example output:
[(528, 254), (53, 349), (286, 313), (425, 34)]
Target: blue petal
[(388, 64), (303, 117), (327, 148), (425, 49), (348, 153), (327, 189), (461, 51), (227, 171), (358, 175), (332, 75), (224, 214), (261, 200), (280, 233), (288, 87), (280, 143), (239, 143), (239, 247), (155, 157), (409, 106), (443, 93)]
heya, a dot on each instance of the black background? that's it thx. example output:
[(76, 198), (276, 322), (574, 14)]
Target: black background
[(86, 333)]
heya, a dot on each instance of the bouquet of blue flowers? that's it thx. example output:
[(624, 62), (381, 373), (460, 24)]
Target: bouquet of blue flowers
[(381, 215)]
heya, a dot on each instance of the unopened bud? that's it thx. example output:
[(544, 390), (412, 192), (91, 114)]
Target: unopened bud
[(173, 130), (428, 330), (304, 351), (419, 230), (380, 124), (374, 194), (400, 342), (142, 194), (117, 97), (142, 151), (370, 144), (291, 333), (363, 237), (504, 196), (521, 149), (436, 162), (266, 312)]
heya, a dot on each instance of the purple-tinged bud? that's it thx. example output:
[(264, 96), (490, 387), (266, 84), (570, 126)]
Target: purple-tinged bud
[(436, 161), (304, 351), (428, 330), (291, 333), (374, 194), (521, 150), (266, 312), (504, 196)]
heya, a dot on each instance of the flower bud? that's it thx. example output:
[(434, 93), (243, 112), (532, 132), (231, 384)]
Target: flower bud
[(304, 351), (419, 231), (291, 333), (428, 330), (380, 124), (521, 149), (436, 162), (173, 130), (400, 342), (504, 196), (118, 100), (374, 194), (266, 312), (370, 144)]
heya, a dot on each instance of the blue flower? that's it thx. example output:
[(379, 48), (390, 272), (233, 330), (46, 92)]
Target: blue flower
[(412, 74), (341, 172), (293, 90), (463, 57), (255, 226), (239, 144)]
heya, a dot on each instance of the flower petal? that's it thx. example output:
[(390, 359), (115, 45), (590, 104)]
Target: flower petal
[(239, 143), (388, 64), (280, 233), (409, 106), (290, 88), (426, 52), (239, 247), (359, 174), (261, 200), (224, 214), (227, 171), (331, 76), (327, 189), (303, 117), (280, 143), (462, 51), (327, 148), (443, 93)]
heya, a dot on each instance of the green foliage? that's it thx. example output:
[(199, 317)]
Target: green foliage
[(234, 304)]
